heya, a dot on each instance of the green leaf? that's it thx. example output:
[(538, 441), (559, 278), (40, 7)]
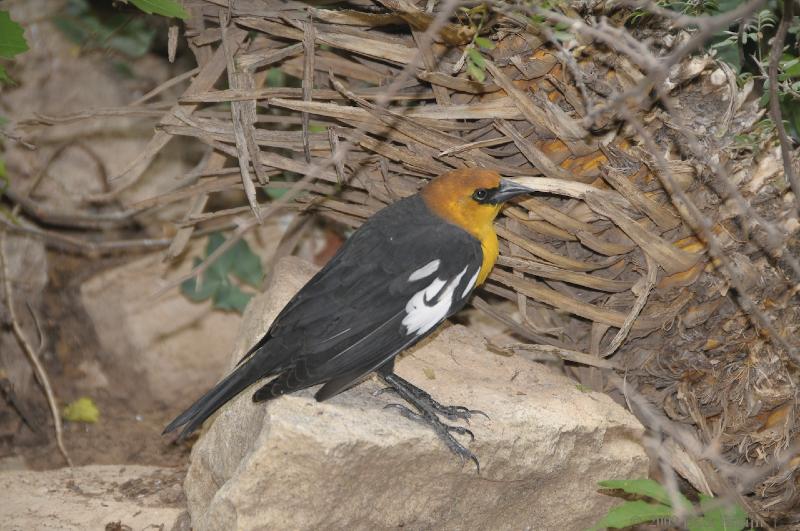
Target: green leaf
[(247, 265), (222, 265), (5, 78), (644, 487), (791, 70), (167, 8), (211, 282), (275, 193), (563, 36), (136, 41), (484, 43), (475, 73), (230, 297), (12, 38), (632, 513), (476, 58), (729, 53), (721, 518), (129, 35), (81, 410), (4, 184), (790, 110), (217, 282), (276, 77)]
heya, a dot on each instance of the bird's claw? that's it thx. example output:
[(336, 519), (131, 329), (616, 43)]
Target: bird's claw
[(451, 412), (405, 411), (461, 431), (383, 390), (457, 412), (462, 452), (443, 431), (427, 411)]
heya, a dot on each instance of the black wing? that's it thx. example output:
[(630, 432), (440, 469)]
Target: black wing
[(353, 315)]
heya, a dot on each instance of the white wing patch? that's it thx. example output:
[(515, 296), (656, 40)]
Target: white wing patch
[(471, 283), (422, 316), (425, 271)]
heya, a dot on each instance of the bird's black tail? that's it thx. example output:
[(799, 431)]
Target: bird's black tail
[(237, 381)]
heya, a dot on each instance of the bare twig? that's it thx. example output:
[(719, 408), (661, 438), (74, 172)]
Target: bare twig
[(309, 36), (32, 354), (774, 102), (645, 288)]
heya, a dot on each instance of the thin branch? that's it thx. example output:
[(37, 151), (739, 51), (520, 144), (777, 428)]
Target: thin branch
[(30, 352), (775, 104)]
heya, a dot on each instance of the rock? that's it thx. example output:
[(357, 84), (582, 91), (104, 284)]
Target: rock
[(162, 338), (347, 463), (78, 157), (174, 343), (92, 497)]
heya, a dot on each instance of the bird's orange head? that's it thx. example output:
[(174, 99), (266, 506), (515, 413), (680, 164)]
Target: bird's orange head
[(471, 198)]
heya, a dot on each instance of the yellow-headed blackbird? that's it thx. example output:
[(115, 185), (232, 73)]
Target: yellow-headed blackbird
[(402, 273)]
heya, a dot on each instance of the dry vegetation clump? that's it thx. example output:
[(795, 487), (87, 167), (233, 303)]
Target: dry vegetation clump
[(658, 261)]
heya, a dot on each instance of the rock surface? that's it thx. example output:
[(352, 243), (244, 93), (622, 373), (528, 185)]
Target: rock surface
[(348, 464), (174, 343), (92, 497)]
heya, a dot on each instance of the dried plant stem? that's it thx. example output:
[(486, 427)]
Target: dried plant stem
[(691, 213), (30, 352), (775, 105)]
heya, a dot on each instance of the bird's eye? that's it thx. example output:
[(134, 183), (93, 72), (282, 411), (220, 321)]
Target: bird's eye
[(480, 194)]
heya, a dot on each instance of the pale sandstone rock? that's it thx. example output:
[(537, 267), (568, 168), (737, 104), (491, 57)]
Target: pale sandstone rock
[(294, 463), (173, 343), (91, 497)]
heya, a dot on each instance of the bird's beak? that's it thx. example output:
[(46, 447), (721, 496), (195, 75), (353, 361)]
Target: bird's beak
[(509, 189)]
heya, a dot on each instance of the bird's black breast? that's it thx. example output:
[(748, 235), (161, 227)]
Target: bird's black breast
[(392, 282)]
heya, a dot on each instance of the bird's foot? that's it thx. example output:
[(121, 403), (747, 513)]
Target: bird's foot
[(428, 413), (422, 397), (443, 431)]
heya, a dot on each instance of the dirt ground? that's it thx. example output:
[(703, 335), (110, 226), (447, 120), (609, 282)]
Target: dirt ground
[(129, 431)]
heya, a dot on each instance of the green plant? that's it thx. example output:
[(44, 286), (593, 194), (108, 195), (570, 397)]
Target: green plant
[(474, 60), (81, 410), (108, 29), (762, 132), (695, 8), (165, 8), (476, 63), (91, 29), (654, 505), (754, 34), (12, 42), (752, 42), (222, 281), (558, 30)]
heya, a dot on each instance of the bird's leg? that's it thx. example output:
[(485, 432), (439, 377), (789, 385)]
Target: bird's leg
[(451, 412), (428, 409)]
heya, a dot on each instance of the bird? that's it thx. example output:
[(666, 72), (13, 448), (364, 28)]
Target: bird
[(407, 268)]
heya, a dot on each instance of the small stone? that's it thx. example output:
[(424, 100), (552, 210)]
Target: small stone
[(717, 77)]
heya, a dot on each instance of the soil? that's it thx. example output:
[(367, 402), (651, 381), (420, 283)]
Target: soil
[(131, 420)]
